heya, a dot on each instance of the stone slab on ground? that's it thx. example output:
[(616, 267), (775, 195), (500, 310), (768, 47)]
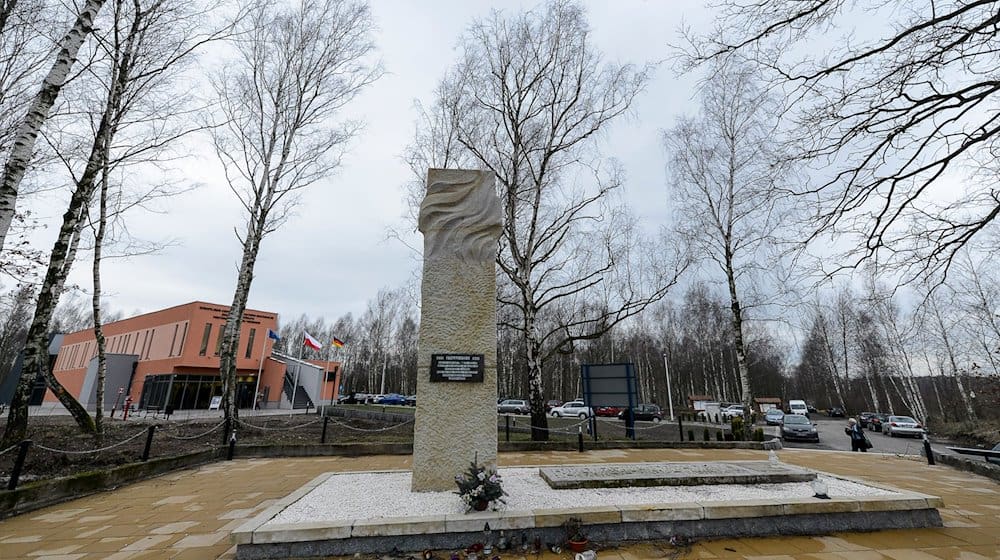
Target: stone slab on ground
[(306, 525), (622, 475)]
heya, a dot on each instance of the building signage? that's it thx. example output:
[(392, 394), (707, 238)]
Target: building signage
[(457, 367), (216, 402)]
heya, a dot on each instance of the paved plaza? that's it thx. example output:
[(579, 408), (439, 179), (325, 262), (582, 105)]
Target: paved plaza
[(189, 514)]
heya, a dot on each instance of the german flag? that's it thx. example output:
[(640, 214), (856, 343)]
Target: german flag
[(337, 342)]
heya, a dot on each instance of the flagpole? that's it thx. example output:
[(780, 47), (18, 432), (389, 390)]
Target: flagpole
[(298, 368), (326, 374), (256, 389)]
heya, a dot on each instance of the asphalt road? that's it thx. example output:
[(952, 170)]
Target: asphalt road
[(832, 436)]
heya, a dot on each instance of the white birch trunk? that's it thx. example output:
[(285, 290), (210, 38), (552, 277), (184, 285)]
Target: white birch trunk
[(23, 144), (970, 413), (102, 359)]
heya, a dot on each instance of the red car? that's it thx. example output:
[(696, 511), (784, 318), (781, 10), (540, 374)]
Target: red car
[(611, 411)]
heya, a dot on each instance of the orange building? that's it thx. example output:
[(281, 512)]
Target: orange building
[(170, 359)]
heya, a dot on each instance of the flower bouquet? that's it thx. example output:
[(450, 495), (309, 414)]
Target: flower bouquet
[(479, 487)]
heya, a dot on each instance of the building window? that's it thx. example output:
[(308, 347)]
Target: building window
[(84, 355), (204, 339), (218, 339), (253, 333), (173, 341), (149, 343), (184, 335)]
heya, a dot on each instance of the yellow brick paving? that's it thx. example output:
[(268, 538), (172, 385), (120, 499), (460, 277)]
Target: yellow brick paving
[(189, 514)]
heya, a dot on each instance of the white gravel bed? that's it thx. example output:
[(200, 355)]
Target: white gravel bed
[(379, 495)]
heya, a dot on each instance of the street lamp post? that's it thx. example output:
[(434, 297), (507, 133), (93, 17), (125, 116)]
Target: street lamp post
[(670, 396)]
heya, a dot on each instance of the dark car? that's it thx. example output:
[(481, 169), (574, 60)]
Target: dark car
[(994, 460), (647, 412), (864, 418), (878, 421), (837, 412), (411, 400), (797, 426), (391, 398), (549, 405)]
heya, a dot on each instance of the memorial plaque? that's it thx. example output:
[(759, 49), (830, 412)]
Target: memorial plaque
[(457, 367)]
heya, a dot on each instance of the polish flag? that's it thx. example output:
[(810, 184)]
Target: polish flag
[(311, 342)]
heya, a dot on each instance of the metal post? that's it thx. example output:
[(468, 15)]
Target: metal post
[(149, 443), (928, 451), (579, 441), (232, 446), (680, 427), (326, 421), (670, 396), (19, 464), (507, 427), (260, 369)]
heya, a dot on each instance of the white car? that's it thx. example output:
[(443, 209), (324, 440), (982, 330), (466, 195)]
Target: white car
[(902, 426), (732, 411), (572, 408)]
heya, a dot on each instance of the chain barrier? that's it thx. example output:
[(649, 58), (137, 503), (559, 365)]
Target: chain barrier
[(201, 435), (284, 428), (86, 452), (653, 426), (9, 448), (386, 429), (562, 430)]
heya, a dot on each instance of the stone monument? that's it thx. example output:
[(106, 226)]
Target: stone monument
[(456, 415)]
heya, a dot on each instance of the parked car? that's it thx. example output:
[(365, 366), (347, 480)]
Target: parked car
[(993, 460), (774, 417), (609, 411), (878, 421), (903, 426), (732, 411), (865, 418), (836, 412), (798, 407), (391, 398), (411, 400), (645, 412), (572, 408), (513, 406), (798, 426), (811, 409), (549, 405)]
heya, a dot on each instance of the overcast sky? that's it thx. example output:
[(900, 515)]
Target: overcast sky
[(334, 254)]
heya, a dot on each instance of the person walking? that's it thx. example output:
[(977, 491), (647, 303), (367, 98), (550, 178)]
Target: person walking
[(858, 440)]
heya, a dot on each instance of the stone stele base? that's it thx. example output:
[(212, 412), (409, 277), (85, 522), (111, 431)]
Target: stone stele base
[(261, 538)]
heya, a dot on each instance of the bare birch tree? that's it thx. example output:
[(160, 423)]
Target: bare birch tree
[(527, 100), (899, 335), (899, 125), (137, 59), (725, 181), (944, 327), (23, 144), (295, 68)]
